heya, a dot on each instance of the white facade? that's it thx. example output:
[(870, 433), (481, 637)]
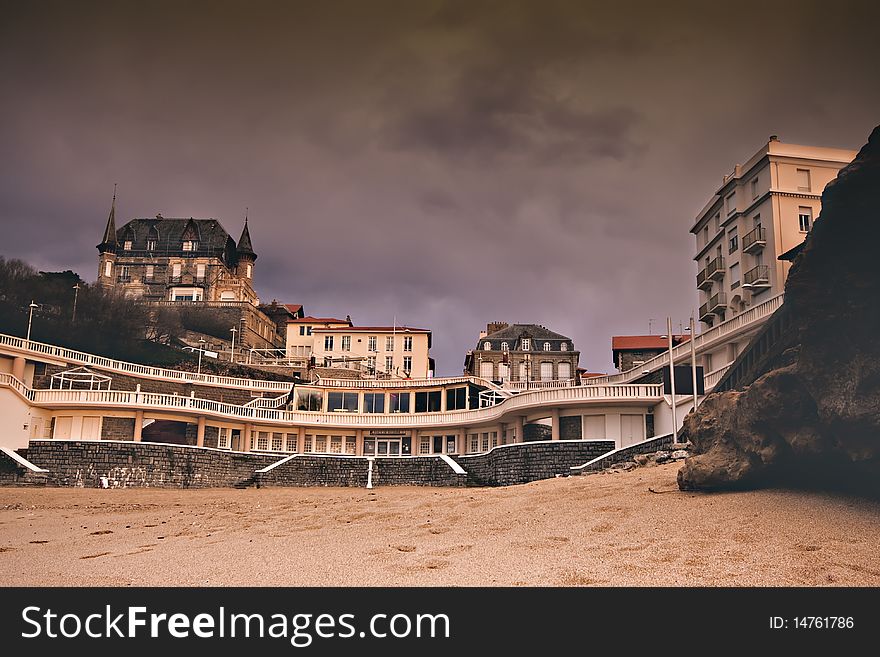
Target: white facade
[(763, 208)]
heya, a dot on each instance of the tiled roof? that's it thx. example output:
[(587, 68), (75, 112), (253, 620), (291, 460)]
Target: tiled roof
[(378, 329), (293, 307), (316, 320), (624, 342)]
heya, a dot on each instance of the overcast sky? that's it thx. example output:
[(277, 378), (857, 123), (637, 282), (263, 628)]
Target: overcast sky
[(444, 163)]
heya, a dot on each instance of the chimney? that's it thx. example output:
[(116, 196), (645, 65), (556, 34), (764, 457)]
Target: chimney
[(774, 137), (492, 327), (482, 334)]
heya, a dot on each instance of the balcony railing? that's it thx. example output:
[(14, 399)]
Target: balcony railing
[(715, 269), (703, 281), (755, 240), (716, 303), (757, 278)]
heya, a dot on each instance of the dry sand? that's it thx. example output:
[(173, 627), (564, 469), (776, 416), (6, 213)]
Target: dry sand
[(607, 529)]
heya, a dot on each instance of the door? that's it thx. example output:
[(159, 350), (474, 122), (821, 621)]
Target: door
[(91, 428), (594, 427), (632, 429)]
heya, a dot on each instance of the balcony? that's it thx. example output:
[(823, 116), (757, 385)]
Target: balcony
[(717, 303), (755, 240), (715, 269), (757, 279), (703, 281), (123, 279)]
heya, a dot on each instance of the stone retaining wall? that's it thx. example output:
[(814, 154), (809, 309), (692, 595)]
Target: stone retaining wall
[(13, 473), (147, 465), (625, 454), (308, 470), (416, 471), (524, 462)]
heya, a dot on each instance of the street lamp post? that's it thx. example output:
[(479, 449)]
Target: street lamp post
[(693, 332), (672, 379), (201, 349), (75, 295), (232, 357), (30, 319)]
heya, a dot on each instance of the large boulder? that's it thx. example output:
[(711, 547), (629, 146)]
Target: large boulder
[(815, 418)]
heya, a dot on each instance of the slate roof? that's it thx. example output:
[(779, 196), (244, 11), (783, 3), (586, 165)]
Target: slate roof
[(213, 240), (514, 332)]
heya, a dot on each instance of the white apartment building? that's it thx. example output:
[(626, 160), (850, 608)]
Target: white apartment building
[(762, 209), (300, 333), (394, 351)]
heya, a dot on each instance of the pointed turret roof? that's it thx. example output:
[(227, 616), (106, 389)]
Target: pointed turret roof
[(109, 242), (244, 242)]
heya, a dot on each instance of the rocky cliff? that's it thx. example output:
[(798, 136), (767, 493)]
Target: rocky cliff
[(813, 416)]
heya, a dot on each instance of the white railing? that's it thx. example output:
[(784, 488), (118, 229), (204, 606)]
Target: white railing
[(18, 386), (73, 356), (403, 383), (266, 402), (539, 385), (714, 377), (522, 402), (706, 339)]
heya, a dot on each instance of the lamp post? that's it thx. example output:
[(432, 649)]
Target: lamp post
[(201, 349), (672, 379), (692, 329), (30, 319), (232, 357), (75, 295)]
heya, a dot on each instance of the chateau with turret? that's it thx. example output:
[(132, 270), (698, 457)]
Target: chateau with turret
[(188, 262)]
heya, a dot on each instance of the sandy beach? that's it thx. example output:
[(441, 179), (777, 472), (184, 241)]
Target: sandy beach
[(622, 529)]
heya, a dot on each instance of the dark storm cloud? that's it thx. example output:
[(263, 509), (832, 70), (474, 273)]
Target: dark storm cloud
[(441, 163)]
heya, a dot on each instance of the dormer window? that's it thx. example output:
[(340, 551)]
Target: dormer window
[(127, 245), (190, 245), (487, 346), (505, 346), (564, 346), (546, 346), (151, 245), (526, 344)]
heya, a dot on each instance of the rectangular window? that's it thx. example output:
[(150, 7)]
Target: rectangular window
[(149, 272), (733, 241), (336, 444), (407, 364), (474, 440), (389, 343), (805, 219), (342, 402), (546, 371), (400, 402), (127, 245), (223, 438), (302, 330), (526, 344), (291, 442), (346, 343), (308, 400), (372, 343), (407, 343), (371, 364), (803, 180), (730, 203), (263, 441), (308, 443), (734, 276), (705, 236), (754, 188), (456, 399), (124, 273), (108, 268), (175, 271), (321, 444), (717, 222), (484, 441), (428, 402), (200, 271), (151, 245), (328, 343), (277, 442), (349, 445), (389, 363), (374, 402), (424, 444), (308, 330), (190, 245)]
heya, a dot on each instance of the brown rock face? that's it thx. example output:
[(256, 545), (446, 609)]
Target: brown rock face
[(816, 420)]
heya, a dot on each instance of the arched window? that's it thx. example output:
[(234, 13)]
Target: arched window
[(546, 346), (564, 346), (505, 346), (152, 239), (487, 346)]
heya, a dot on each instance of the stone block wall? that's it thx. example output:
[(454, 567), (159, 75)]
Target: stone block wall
[(135, 465), (525, 462), (308, 470), (626, 454), (117, 428), (13, 473), (416, 471)]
